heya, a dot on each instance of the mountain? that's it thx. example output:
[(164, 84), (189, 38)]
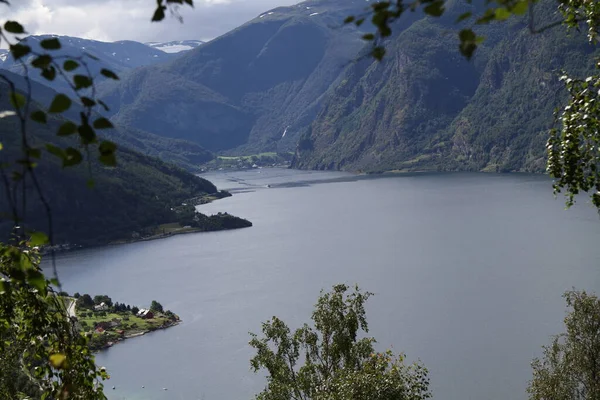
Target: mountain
[(118, 57), (138, 195), (426, 108), (182, 153), (250, 89), (175, 46)]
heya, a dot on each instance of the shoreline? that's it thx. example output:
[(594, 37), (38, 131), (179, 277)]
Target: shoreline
[(200, 200), (108, 345)]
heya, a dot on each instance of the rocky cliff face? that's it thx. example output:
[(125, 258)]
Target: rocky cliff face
[(425, 107), (246, 88)]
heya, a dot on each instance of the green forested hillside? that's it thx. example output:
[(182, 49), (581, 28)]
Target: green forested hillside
[(137, 195), (425, 107)]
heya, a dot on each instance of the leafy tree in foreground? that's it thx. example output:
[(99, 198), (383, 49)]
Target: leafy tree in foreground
[(42, 353), (330, 361), (570, 366)]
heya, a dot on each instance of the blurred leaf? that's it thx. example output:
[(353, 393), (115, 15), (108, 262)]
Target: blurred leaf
[(521, 7), (66, 129), (378, 53), (61, 103), (55, 150), (109, 74), (86, 101), (435, 9), (37, 280), (14, 27), (103, 123), (70, 65), (41, 61), (49, 73), (502, 14), (159, 14), (82, 81), (38, 239), (19, 50), (50, 44), (58, 360), (17, 100), (72, 157), (34, 153), (349, 19), (86, 133), (368, 36), (464, 16), (107, 153), (103, 104), (39, 116), (488, 16)]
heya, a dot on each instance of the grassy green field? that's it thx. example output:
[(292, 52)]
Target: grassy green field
[(126, 325)]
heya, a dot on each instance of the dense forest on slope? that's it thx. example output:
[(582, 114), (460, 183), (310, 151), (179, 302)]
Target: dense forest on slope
[(426, 108), (139, 194), (249, 89)]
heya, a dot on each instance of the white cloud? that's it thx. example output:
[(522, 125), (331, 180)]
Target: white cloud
[(111, 20)]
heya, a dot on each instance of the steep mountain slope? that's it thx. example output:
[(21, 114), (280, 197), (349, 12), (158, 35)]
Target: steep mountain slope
[(425, 107), (134, 197), (183, 153), (248, 87)]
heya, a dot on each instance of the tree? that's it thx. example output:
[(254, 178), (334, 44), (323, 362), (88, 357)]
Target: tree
[(85, 301), (102, 298), (156, 306), (42, 353), (135, 310), (570, 366), (572, 147), (77, 295), (329, 361)]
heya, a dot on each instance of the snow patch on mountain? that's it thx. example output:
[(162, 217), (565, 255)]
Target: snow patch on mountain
[(176, 46)]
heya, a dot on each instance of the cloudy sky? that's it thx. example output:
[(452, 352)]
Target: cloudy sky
[(111, 20)]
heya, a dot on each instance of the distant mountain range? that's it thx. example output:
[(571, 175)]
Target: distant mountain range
[(249, 90), (119, 57), (296, 78)]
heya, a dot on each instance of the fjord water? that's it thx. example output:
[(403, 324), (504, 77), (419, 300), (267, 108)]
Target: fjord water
[(468, 272)]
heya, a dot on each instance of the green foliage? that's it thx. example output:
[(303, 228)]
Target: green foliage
[(135, 310), (568, 369), (332, 360), (102, 298), (156, 306), (41, 352), (573, 154), (85, 301)]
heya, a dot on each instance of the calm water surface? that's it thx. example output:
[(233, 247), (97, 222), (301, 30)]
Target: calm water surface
[(468, 271)]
